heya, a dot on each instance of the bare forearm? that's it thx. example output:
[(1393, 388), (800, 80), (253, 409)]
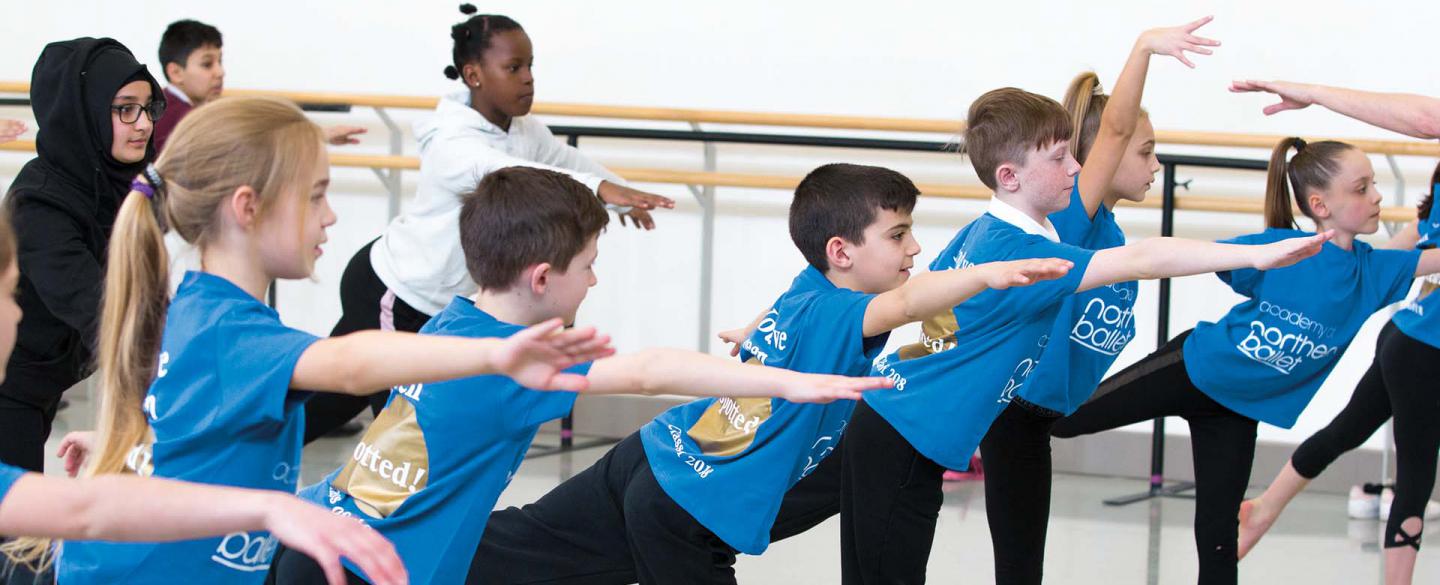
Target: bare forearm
[(923, 296), (129, 508), (1409, 114), (369, 361), (675, 371), (1122, 112), (1163, 258)]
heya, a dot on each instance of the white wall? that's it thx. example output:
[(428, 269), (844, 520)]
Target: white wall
[(919, 59)]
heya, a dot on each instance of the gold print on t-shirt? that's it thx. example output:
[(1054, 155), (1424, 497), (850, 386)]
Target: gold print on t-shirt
[(390, 462), (729, 425), (937, 334)]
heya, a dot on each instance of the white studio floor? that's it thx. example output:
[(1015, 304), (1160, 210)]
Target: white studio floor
[(1089, 542)]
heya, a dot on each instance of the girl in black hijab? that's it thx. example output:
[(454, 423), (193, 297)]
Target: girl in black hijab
[(95, 106)]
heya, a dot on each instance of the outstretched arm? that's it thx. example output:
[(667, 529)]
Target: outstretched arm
[(1408, 114), (1171, 257), (128, 508), (364, 362), (934, 292), (676, 371), (1122, 112)]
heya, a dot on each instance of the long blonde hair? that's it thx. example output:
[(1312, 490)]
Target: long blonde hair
[(265, 143)]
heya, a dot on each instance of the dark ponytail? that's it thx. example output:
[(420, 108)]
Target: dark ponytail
[(473, 36), (1287, 183), (1423, 210)]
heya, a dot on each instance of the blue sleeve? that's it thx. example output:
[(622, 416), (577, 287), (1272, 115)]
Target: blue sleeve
[(538, 407), (1047, 292), (834, 334), (1244, 281), (258, 357), (8, 476), (1394, 271), (1072, 223)]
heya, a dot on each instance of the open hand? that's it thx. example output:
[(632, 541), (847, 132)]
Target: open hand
[(537, 356), (75, 448), (820, 388), (1293, 96), (342, 135), (1003, 275), (326, 537), (1287, 252), (11, 129), (1175, 41)]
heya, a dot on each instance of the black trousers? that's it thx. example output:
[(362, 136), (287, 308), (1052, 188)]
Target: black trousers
[(1016, 452), (24, 428), (1223, 445), (289, 567), (1401, 382), (613, 524), (889, 502), (365, 303)]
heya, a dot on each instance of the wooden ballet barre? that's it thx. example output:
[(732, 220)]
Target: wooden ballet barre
[(788, 183), (948, 127)]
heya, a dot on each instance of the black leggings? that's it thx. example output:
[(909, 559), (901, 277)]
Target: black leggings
[(891, 498), (1223, 445), (1401, 382), (365, 303), (1016, 452), (612, 524), (889, 502)]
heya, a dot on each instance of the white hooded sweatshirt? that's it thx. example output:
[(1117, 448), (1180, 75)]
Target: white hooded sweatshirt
[(418, 257)]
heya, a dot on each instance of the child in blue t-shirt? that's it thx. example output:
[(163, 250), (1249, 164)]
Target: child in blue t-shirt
[(1400, 383), (1114, 143), (429, 470), (677, 500), (973, 361), (206, 389), (132, 508), (1265, 359)]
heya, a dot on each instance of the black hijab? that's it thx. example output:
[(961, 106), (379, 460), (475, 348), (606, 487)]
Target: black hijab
[(71, 89)]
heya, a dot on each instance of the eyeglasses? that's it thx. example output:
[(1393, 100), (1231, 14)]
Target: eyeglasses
[(130, 113)]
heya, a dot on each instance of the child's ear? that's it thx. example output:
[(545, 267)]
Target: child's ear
[(1007, 177), (172, 72), (539, 278), (471, 74), (245, 206), (837, 253), (1317, 205)]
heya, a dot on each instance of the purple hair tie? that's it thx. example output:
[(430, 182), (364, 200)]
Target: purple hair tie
[(143, 187)]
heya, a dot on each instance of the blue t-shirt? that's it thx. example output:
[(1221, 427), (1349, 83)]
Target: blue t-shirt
[(1101, 323), (971, 361), (1267, 357), (8, 476), (729, 461), (428, 471), (1421, 318), (222, 412)]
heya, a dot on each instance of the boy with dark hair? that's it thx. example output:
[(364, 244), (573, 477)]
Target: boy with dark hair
[(675, 502), (429, 469), (956, 380), (194, 71), (190, 53)]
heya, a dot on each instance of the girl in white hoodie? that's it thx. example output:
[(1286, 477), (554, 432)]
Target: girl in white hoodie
[(416, 267)]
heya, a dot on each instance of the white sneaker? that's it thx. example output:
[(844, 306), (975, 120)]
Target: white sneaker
[(1432, 508), (1363, 506)]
